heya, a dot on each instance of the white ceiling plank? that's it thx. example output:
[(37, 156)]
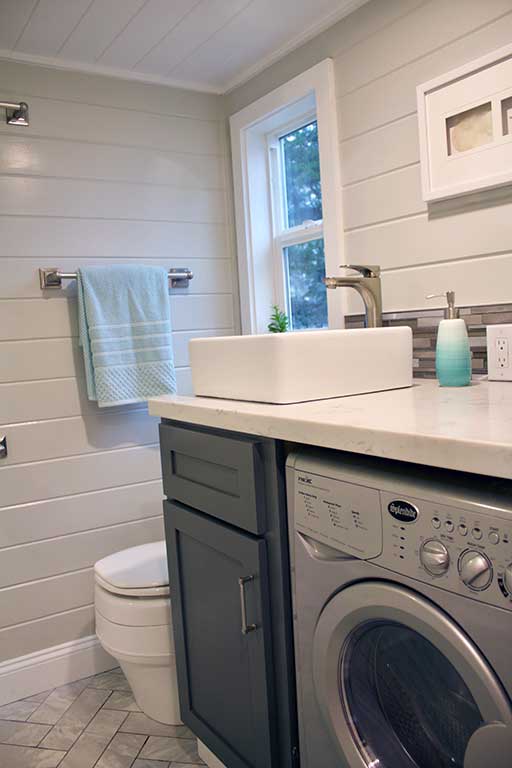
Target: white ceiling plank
[(155, 19), (50, 24), (206, 19), (208, 45), (231, 50), (14, 14), (104, 20)]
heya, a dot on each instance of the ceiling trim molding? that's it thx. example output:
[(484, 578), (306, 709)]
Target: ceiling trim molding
[(96, 69), (291, 45)]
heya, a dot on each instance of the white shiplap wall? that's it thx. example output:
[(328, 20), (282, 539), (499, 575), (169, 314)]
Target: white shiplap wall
[(381, 53), (107, 171)]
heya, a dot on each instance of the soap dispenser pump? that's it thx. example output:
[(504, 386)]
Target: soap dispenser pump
[(453, 353)]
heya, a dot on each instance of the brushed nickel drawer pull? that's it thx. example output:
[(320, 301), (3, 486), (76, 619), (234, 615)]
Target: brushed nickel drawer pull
[(246, 628)]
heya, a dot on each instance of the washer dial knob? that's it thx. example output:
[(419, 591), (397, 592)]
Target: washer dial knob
[(507, 578), (475, 570), (434, 557)]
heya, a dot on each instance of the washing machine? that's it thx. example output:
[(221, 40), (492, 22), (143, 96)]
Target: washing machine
[(402, 590)]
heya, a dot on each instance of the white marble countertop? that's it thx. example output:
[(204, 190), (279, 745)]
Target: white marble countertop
[(468, 429)]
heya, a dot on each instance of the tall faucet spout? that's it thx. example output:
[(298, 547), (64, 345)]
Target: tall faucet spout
[(368, 286)]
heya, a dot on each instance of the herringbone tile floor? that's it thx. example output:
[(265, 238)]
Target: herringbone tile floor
[(92, 723)]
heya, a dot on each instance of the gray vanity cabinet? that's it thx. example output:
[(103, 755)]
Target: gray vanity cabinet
[(224, 635), (225, 527)]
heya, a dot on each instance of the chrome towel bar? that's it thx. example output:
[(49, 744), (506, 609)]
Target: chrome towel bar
[(52, 277)]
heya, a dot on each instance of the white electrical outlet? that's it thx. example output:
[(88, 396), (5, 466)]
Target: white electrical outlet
[(499, 347)]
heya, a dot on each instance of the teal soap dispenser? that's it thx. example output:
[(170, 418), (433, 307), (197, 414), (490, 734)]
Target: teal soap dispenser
[(453, 353)]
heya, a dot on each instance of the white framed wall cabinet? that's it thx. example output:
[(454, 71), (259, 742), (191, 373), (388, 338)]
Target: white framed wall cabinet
[(465, 125)]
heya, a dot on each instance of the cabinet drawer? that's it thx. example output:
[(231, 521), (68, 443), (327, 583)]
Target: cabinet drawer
[(221, 476)]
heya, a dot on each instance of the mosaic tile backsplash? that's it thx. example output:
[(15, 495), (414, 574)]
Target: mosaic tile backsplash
[(424, 325)]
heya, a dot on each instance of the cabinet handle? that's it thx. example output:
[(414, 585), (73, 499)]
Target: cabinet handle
[(246, 628)]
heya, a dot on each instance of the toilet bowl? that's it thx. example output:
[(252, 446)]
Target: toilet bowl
[(134, 625)]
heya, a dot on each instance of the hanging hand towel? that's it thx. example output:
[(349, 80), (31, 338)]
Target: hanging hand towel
[(125, 333)]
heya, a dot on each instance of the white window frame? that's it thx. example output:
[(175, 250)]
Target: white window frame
[(260, 261)]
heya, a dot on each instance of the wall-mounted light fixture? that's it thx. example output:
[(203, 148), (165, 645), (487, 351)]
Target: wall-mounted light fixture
[(15, 114)]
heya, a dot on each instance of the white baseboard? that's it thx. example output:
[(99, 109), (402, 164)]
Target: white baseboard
[(42, 670)]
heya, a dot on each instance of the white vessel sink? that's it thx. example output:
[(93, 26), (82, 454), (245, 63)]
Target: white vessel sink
[(308, 365)]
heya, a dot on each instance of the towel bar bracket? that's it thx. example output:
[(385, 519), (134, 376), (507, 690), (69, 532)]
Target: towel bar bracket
[(52, 277)]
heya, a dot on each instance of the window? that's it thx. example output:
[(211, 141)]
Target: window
[(288, 203), (297, 224)]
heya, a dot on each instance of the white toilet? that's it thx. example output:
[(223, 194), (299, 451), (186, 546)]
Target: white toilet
[(133, 623)]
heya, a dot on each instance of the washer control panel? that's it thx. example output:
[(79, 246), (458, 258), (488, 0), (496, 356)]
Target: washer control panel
[(341, 515), (462, 551)]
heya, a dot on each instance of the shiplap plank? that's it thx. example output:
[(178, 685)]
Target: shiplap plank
[(89, 123), (108, 200), (383, 198), (394, 96), (419, 240), (479, 281), (104, 91), (57, 398), (55, 318), (426, 29), (23, 483), (20, 277), (44, 359), (100, 431), (25, 602), (381, 151), (72, 514), (45, 633), (72, 159), (51, 557), (50, 240), (184, 380)]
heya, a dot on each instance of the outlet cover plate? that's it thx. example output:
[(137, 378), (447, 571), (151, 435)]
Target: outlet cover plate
[(499, 352)]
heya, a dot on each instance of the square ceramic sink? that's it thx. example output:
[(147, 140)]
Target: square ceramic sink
[(296, 367)]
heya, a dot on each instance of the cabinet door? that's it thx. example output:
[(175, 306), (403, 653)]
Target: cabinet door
[(220, 606)]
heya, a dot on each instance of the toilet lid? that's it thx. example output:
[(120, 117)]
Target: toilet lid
[(136, 568)]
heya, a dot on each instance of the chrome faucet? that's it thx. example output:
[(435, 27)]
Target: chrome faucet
[(368, 286)]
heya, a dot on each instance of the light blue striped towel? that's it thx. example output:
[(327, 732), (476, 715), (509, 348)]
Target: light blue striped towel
[(125, 333)]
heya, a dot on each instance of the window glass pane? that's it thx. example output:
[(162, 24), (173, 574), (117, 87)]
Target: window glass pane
[(301, 161), (307, 295)]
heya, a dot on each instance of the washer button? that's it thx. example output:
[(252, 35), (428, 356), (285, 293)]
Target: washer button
[(436, 523), (449, 526), (463, 529), (476, 533), (494, 537)]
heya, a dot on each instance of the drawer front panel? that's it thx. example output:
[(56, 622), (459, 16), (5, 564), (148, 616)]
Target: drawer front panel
[(221, 476)]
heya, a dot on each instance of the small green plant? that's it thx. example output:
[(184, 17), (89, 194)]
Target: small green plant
[(279, 322)]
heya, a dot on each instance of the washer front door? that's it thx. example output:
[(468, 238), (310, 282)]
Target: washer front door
[(401, 686)]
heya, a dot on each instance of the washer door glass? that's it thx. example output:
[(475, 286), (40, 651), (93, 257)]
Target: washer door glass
[(407, 705)]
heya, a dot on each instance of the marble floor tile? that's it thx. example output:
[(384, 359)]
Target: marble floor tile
[(121, 751), (57, 702), (86, 751), (122, 700), (142, 763), (113, 680), (28, 757), (22, 734), (137, 722), (18, 710), (175, 750), (67, 730)]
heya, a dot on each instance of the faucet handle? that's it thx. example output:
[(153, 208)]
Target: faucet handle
[(366, 270)]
